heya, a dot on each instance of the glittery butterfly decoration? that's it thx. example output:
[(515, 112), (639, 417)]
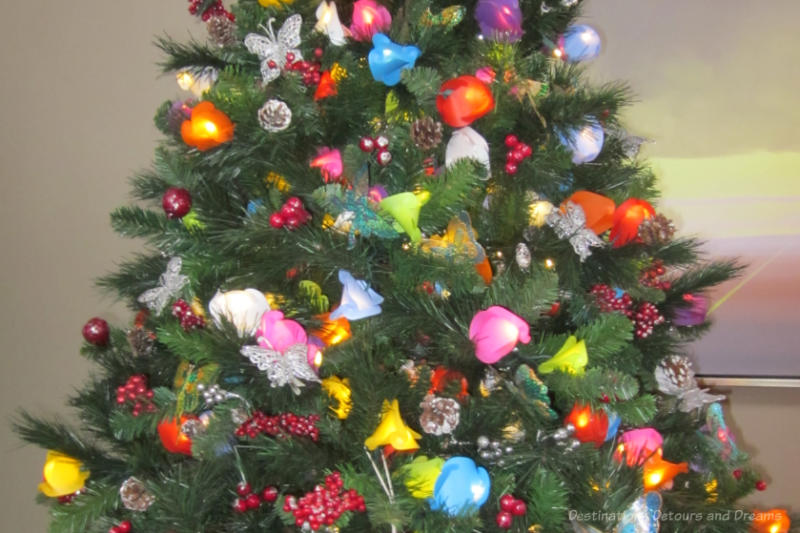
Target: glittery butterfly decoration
[(534, 389), (458, 240), (631, 144), (571, 225), (170, 284), (720, 434), (448, 17), (641, 517), (288, 368), (675, 376), (272, 49)]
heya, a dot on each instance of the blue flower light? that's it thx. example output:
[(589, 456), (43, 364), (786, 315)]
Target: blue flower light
[(358, 300), (387, 59), (461, 488)]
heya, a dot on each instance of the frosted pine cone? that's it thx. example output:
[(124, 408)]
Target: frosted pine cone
[(426, 133), (656, 230), (275, 115), (221, 30), (439, 416), (134, 495)]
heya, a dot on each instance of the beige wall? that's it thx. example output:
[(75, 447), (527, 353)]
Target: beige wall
[(78, 90)]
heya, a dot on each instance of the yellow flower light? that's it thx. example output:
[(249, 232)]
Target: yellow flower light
[(392, 431), (404, 207), (62, 475), (339, 390), (571, 358), (274, 3)]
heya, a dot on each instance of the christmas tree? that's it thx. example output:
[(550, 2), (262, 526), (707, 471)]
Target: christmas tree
[(404, 274)]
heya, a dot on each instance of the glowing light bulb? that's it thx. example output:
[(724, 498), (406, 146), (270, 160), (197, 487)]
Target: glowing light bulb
[(588, 37), (583, 420), (558, 53), (369, 16), (655, 478), (185, 80), (210, 127), (318, 358), (549, 264), (506, 10)]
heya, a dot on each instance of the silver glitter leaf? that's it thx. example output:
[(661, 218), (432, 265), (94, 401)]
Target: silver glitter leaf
[(271, 49), (572, 225), (169, 285), (289, 368), (675, 376)]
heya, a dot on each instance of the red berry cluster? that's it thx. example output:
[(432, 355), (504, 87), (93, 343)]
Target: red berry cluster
[(282, 425), (325, 504), (292, 214), (309, 70), (67, 498), (379, 143), (136, 393), (189, 320), (122, 527), (509, 508), (518, 151), (645, 318), (607, 300), (650, 277), (249, 500), (214, 10)]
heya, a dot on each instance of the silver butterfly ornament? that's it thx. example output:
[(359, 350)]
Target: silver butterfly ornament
[(572, 225), (675, 376), (288, 368), (272, 48), (170, 284)]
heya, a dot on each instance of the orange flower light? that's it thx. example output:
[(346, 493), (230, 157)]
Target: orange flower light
[(627, 218), (332, 332), (441, 379), (463, 100), (484, 270), (209, 127), (772, 521), (658, 473), (173, 439), (590, 426), (327, 86), (599, 209)]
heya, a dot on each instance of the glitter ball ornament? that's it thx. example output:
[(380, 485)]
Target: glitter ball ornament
[(426, 133), (656, 230), (275, 115), (135, 496), (176, 202), (221, 30), (439, 416), (96, 331)]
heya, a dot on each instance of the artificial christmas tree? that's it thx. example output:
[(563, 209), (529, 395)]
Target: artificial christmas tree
[(346, 322)]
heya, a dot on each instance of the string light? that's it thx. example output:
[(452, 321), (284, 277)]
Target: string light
[(185, 80), (549, 264)]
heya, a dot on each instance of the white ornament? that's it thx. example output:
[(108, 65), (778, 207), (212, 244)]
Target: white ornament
[(328, 23), (272, 49), (523, 256), (288, 368), (274, 115), (169, 285), (467, 143), (242, 308)]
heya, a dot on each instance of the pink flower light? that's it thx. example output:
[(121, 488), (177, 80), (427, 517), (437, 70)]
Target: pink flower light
[(638, 445), (278, 333), (329, 162), (369, 18), (495, 332)]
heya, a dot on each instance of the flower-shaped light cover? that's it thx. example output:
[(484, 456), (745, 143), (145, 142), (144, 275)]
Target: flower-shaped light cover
[(329, 162), (278, 333), (585, 143), (571, 358), (421, 474), (393, 431), (404, 207), (461, 488), (466, 143), (772, 521), (495, 332), (62, 475), (499, 20), (599, 209), (658, 473), (172, 438), (590, 425), (581, 42), (627, 218), (638, 445), (693, 313), (463, 100), (358, 299), (387, 59), (329, 24), (369, 18), (242, 308), (207, 128)]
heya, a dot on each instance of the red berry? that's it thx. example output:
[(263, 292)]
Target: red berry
[(276, 220), (318, 52), (289, 56), (525, 149), (516, 155), (504, 519), (519, 508), (511, 168), (761, 485), (294, 202), (114, 529), (381, 141), (240, 505), (507, 502), (511, 140), (176, 202), (293, 222), (384, 157), (270, 494), (243, 488), (252, 501), (367, 144), (124, 527), (96, 331), (737, 474)]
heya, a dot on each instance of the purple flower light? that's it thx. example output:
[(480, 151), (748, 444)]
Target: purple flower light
[(500, 20)]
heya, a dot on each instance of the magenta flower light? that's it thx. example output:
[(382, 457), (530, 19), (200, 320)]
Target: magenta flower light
[(369, 18), (329, 162), (693, 313), (278, 333), (499, 20), (495, 332)]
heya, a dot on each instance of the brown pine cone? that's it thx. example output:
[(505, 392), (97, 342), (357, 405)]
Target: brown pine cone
[(656, 230), (426, 133), (134, 495), (221, 31)]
